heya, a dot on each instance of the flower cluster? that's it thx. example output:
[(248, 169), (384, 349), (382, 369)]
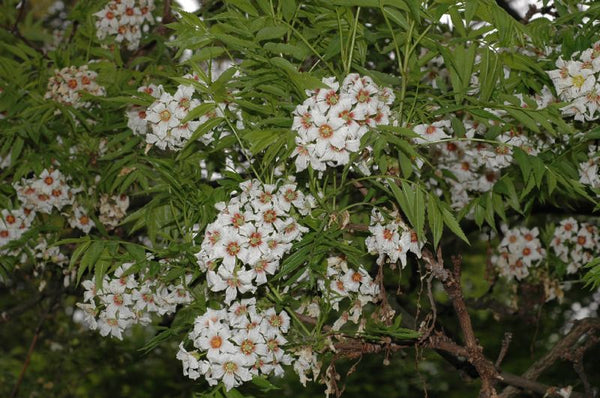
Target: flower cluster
[(474, 165), (14, 224), (48, 256), (589, 174), (331, 122), (250, 236), (68, 83), (575, 243), (519, 250), (161, 123), (123, 301), (239, 342), (343, 282), (47, 191), (578, 82), (391, 239), (124, 19), (113, 209)]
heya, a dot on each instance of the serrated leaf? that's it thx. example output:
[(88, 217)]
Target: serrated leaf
[(436, 222), (451, 223)]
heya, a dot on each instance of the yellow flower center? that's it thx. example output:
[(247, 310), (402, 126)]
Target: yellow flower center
[(578, 81), (165, 115)]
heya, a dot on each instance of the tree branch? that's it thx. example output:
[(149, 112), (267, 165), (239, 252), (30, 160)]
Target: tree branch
[(563, 346), (32, 345), (17, 310), (530, 385), (15, 28), (474, 352)]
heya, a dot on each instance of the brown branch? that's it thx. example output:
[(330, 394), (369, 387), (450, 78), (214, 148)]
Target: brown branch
[(361, 188), (34, 341), (354, 347), (503, 350), (580, 328), (440, 342), (356, 227), (530, 385), (587, 387), (17, 310), (15, 28), (576, 356), (474, 352), (563, 346)]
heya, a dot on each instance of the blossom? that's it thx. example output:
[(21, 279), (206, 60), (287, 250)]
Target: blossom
[(250, 236), (239, 342), (124, 20), (432, 132), (391, 240), (46, 192), (124, 299), (80, 220), (519, 250), (331, 122), (233, 369), (68, 83), (577, 82)]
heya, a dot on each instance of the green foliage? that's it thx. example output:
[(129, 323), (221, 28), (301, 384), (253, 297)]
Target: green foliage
[(251, 64)]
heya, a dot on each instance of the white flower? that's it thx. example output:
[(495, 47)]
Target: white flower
[(191, 366), (231, 281), (79, 219), (233, 369), (432, 132), (215, 341)]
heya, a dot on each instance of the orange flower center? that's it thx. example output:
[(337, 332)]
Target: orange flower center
[(216, 342), (325, 131), (165, 115)]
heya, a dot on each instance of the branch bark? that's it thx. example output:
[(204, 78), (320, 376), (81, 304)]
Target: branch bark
[(473, 351)]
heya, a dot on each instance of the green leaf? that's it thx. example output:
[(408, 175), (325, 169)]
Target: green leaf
[(288, 9), (198, 111), (488, 72), (434, 216), (264, 384), (451, 223), (245, 6), (89, 259), (592, 277), (271, 32)]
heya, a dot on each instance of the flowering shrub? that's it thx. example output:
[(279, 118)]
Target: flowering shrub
[(266, 189)]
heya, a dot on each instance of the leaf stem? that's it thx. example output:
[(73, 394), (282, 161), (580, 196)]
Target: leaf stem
[(352, 41)]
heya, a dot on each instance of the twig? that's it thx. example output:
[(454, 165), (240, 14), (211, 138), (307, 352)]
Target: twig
[(17, 310), (505, 343), (579, 369), (34, 341), (563, 346), (576, 356), (530, 385), (15, 28), (431, 326)]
